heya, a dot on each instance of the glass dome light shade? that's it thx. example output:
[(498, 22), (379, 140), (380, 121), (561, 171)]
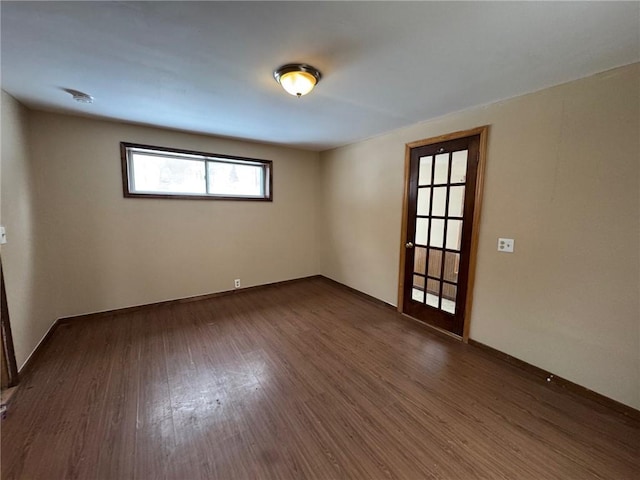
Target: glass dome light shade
[(297, 79), (298, 83)]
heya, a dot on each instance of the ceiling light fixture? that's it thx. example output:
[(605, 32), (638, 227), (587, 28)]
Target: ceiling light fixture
[(79, 96), (297, 78)]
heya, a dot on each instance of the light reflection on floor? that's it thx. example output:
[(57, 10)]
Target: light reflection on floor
[(226, 392)]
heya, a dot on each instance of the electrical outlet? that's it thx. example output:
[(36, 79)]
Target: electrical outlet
[(505, 245), (236, 283), (3, 235)]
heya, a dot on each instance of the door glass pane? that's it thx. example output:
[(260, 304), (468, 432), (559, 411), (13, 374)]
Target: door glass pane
[(439, 201), (433, 292), (420, 260), (424, 171), (432, 300), (417, 291), (449, 298), (435, 262), (437, 233), (451, 266), (441, 168), (456, 201), (424, 198), (454, 234), (459, 167), (422, 227), (418, 282)]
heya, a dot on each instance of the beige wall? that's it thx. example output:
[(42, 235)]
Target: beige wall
[(104, 251), (563, 173), (28, 292)]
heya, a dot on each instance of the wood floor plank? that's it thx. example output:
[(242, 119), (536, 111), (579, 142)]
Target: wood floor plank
[(117, 446), (155, 428), (305, 380)]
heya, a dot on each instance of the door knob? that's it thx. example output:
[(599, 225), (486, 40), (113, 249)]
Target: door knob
[(408, 245)]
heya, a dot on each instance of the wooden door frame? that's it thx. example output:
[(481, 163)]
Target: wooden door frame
[(482, 155), (10, 368)]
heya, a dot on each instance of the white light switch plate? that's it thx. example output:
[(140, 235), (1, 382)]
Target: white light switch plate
[(3, 235), (505, 245)]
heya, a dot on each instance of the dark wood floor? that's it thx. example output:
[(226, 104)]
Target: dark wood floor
[(302, 380)]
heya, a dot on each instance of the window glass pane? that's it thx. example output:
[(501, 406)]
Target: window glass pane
[(441, 168), (424, 197), (424, 171), (456, 201), (454, 234), (422, 226), (439, 199), (459, 167), (155, 174), (235, 179), (437, 233)]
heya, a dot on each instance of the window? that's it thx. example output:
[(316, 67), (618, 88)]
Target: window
[(157, 172)]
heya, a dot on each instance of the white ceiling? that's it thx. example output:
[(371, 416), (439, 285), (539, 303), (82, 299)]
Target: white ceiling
[(207, 66)]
